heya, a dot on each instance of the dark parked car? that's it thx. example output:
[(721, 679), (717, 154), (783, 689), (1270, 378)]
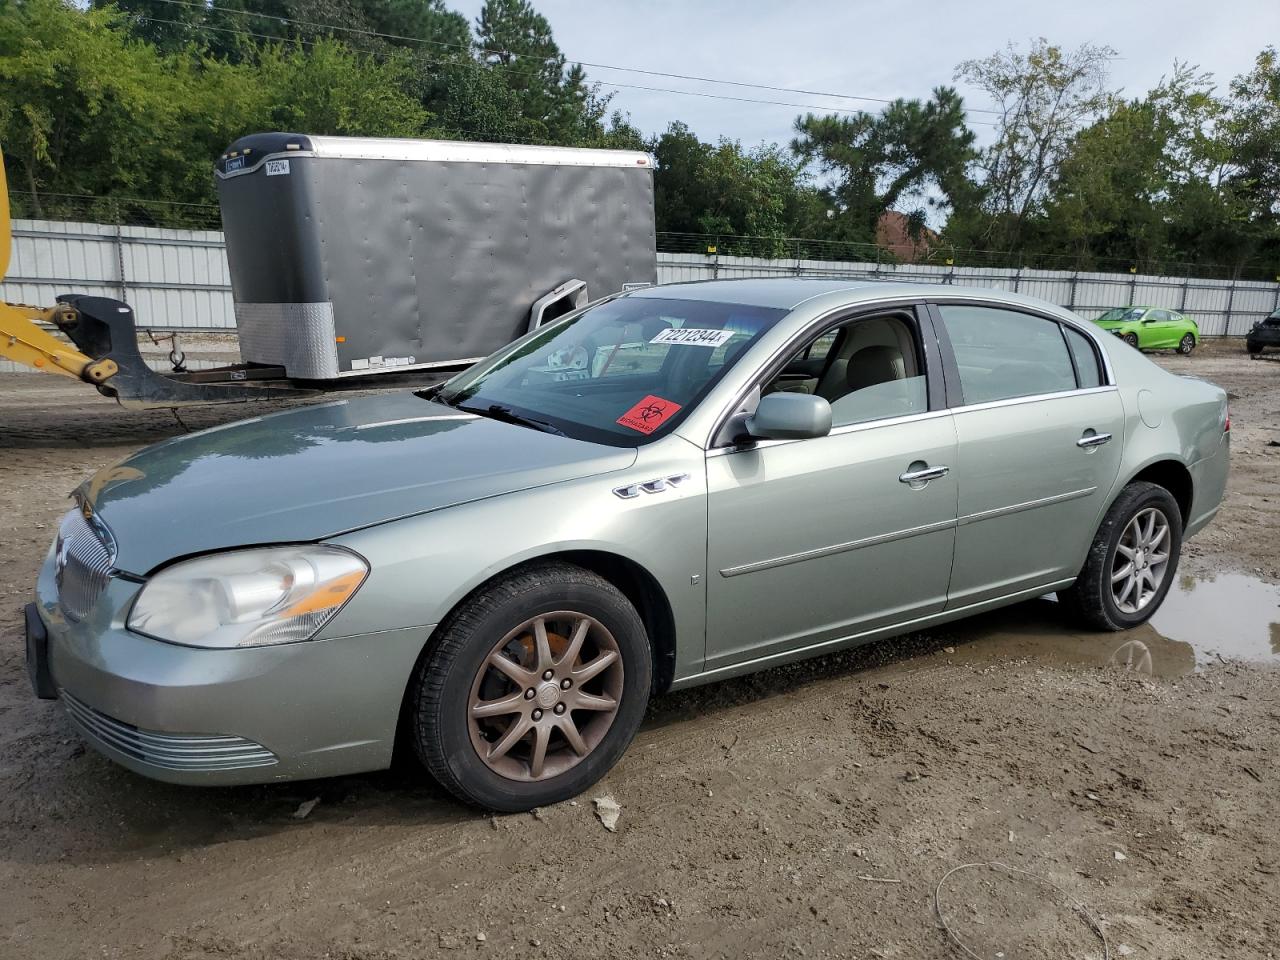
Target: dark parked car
[(1265, 333)]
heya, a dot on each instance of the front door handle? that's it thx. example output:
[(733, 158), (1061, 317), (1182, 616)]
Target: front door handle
[(1091, 439), (919, 474)]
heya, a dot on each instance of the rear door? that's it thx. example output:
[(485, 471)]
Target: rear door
[(1039, 432)]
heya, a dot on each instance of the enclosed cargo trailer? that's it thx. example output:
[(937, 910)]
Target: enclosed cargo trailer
[(352, 257)]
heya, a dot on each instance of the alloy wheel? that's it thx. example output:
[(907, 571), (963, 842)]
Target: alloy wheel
[(1141, 560), (1187, 343), (545, 696)]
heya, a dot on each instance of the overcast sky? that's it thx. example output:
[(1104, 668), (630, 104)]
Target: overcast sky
[(882, 49)]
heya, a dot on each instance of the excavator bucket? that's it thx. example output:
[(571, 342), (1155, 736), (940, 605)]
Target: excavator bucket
[(104, 329)]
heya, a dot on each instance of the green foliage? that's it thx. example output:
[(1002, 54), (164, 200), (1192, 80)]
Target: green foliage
[(723, 189), (912, 153), (114, 99)]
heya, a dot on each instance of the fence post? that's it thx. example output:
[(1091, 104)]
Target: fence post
[(1231, 301), (1017, 279), (797, 269), (1182, 303), (1071, 296), (124, 283)]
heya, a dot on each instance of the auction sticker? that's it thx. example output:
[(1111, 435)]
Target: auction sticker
[(649, 414), (694, 337)]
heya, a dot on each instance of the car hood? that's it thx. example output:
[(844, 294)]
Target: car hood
[(1114, 324), (318, 471)]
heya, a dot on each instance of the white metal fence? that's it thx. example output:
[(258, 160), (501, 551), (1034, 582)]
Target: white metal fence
[(178, 279)]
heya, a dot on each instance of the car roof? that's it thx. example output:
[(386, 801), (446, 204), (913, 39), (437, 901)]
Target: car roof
[(788, 293)]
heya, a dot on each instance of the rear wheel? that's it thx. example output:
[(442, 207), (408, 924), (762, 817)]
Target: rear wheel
[(1131, 562), (535, 688), (1131, 339), (1186, 344), (1253, 348)]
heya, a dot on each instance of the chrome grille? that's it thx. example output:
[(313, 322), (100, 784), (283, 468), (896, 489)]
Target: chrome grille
[(171, 751), (83, 560)]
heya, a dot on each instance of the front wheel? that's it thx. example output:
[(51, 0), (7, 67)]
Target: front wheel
[(1254, 349), (1186, 344), (1131, 339), (534, 689), (1131, 562)]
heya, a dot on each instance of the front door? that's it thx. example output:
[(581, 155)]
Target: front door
[(812, 541), (1040, 436)]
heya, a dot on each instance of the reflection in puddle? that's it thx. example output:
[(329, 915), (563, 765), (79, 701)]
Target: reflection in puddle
[(1228, 617)]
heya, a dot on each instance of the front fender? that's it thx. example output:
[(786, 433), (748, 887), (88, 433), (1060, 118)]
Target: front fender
[(422, 567)]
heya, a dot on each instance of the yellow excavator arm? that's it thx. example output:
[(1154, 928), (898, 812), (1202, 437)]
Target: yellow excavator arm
[(21, 337)]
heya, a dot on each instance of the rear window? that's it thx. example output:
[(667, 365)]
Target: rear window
[(1004, 354)]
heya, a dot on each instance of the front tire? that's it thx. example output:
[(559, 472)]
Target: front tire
[(1186, 344), (1132, 560), (536, 686), (1131, 339)]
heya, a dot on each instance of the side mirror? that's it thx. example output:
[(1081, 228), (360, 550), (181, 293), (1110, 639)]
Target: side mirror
[(790, 416)]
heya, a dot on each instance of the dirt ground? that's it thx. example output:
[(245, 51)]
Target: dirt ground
[(813, 811)]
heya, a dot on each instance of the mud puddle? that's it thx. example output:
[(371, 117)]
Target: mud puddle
[(1229, 617)]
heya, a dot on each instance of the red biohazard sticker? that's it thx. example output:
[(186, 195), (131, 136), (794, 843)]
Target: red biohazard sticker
[(649, 414)]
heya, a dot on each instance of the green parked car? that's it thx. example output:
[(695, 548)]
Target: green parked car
[(1152, 328)]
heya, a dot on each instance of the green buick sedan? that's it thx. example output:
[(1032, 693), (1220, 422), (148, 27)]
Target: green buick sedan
[(1151, 328), (665, 488)]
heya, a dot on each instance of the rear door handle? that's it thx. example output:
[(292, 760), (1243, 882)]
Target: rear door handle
[(1093, 440), (919, 477)]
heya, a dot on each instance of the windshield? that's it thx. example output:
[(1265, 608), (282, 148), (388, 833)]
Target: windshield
[(623, 372), (1122, 313)]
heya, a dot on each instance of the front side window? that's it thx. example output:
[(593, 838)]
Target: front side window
[(867, 369), (1002, 354), (623, 372)]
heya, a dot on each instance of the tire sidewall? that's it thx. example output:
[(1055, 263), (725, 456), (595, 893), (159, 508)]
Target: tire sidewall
[(1131, 339), (448, 711), (1186, 344), (1122, 513)]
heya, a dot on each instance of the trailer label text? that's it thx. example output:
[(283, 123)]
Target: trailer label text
[(277, 168)]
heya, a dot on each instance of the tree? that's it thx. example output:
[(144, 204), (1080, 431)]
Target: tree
[(725, 190), (913, 153), (1043, 97), (1251, 133), (515, 42)]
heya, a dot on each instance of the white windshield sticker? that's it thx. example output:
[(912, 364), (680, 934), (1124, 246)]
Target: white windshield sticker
[(693, 337), (277, 168)]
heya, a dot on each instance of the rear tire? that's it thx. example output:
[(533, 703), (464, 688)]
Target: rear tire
[(1119, 558), (1186, 344), (510, 709), (1253, 348), (1131, 339)]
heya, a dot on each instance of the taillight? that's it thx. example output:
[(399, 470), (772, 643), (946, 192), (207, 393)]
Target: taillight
[(1226, 417)]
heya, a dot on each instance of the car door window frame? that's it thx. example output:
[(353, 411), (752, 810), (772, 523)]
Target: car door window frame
[(914, 310), (951, 369)]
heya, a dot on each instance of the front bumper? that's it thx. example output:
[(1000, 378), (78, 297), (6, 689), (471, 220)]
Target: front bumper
[(217, 717)]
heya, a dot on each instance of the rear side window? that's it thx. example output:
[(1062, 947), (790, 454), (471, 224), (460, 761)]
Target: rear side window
[(1087, 368), (1004, 354)]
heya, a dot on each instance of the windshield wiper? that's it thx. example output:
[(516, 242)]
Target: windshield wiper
[(498, 412)]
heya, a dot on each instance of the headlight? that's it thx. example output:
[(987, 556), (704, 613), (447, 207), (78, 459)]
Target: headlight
[(248, 598)]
